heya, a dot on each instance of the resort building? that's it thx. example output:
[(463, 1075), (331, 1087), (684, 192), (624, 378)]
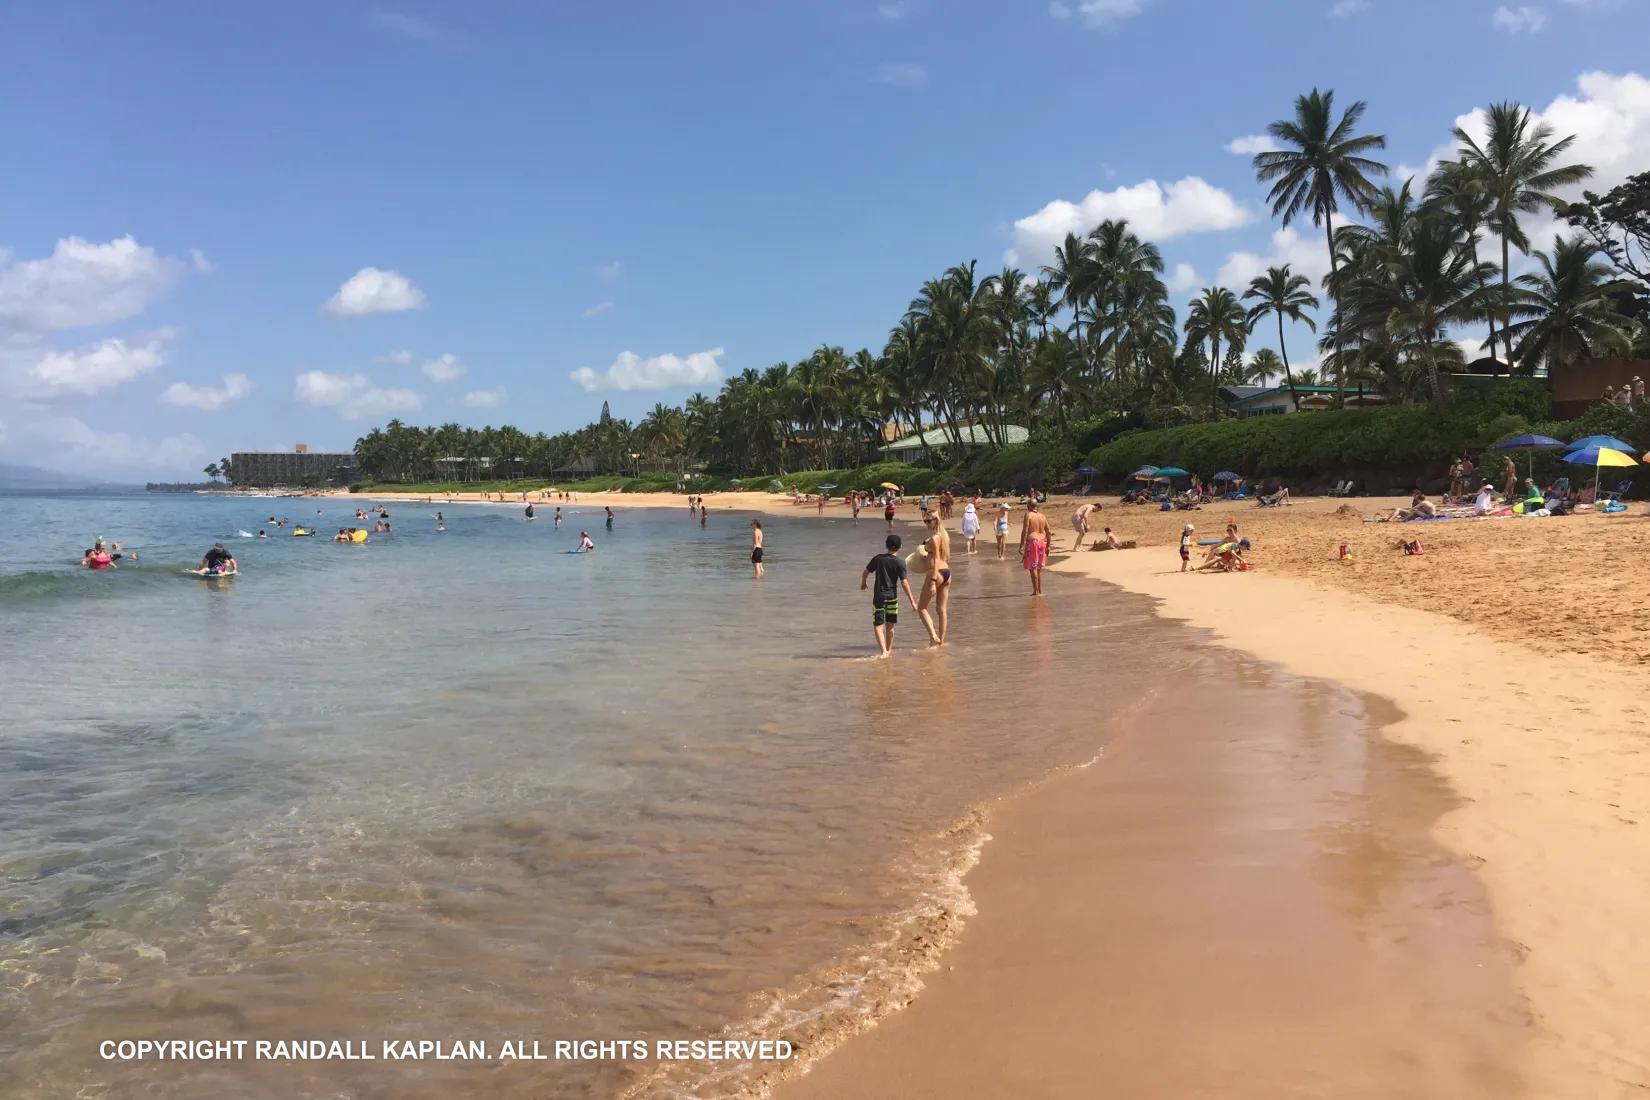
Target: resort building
[(1245, 401), (298, 467), (910, 448)]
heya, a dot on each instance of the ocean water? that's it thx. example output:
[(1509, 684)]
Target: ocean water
[(468, 786)]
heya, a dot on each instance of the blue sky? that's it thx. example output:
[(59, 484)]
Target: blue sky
[(495, 196)]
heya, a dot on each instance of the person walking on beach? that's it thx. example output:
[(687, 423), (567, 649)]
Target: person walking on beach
[(890, 574), (970, 525), (1002, 531), (936, 588), (1186, 534), (854, 503), (888, 512), (1034, 543), (756, 547), (1080, 521)]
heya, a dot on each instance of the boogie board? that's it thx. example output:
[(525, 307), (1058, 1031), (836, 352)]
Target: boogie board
[(207, 575)]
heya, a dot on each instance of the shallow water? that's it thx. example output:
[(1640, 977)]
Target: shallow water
[(467, 786)]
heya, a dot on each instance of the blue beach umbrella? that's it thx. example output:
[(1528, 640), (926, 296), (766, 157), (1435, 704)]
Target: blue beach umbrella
[(1145, 473), (1227, 475), (1166, 472), (1596, 441), (1598, 458), (1087, 470), (1531, 444)]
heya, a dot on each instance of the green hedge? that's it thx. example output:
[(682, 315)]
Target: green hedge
[(1383, 449)]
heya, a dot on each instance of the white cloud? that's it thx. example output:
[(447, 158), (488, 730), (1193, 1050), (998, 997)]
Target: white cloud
[(610, 271), (100, 366), (901, 74), (208, 398), (82, 283), (353, 395), (1184, 277), (1098, 13), (598, 309), (374, 290), (1343, 9), (399, 358), (444, 368), (1250, 144), (1154, 212), (71, 442), (1519, 20), (484, 399), (658, 372), (1308, 255)]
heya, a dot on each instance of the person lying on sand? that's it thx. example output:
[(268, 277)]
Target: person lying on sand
[(1419, 507), (1224, 557)]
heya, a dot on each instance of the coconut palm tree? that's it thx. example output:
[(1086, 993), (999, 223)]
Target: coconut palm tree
[(1457, 188), (1072, 275), (1217, 317), (1432, 285), (1323, 163), (1569, 308), (1519, 167), (1286, 295), (1263, 366)]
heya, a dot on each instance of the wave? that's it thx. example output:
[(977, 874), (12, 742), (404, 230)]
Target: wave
[(74, 582)]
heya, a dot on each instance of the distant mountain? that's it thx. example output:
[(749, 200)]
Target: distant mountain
[(13, 476)]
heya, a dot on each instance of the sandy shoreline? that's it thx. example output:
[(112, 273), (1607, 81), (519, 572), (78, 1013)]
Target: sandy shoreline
[(1514, 654)]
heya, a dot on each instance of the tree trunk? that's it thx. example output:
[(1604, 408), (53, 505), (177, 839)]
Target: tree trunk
[(1506, 321), (1294, 395), (1214, 374), (1335, 292), (1497, 372)]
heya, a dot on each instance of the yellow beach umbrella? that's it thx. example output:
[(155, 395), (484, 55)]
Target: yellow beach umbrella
[(1598, 458)]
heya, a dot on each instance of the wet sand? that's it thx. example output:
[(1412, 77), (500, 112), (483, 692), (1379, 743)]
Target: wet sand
[(1230, 906)]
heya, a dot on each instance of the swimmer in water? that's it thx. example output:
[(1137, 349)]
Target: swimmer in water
[(558, 515), (262, 533), (585, 545), (529, 513), (610, 517)]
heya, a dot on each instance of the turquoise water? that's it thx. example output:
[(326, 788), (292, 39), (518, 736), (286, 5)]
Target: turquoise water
[(467, 785)]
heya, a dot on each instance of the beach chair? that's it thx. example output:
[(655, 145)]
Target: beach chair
[(1623, 489), (1341, 489)]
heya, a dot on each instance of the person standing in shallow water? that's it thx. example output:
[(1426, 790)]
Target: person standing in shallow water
[(1034, 545), (936, 588), (890, 574), (756, 547)]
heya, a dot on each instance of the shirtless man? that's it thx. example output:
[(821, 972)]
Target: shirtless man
[(936, 589), (1080, 521), (756, 547), (1034, 543)]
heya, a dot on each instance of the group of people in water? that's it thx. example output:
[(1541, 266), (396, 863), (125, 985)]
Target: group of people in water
[(101, 556)]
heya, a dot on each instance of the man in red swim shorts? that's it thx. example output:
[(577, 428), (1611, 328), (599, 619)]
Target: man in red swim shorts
[(1034, 540)]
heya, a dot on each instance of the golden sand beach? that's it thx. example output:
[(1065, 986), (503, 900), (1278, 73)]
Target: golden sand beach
[(1507, 668)]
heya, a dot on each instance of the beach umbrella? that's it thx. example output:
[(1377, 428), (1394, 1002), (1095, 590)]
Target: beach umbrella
[(1087, 470), (1227, 475), (832, 485), (890, 485), (1598, 458), (1531, 444), (1609, 441), (1145, 473), (1166, 472)]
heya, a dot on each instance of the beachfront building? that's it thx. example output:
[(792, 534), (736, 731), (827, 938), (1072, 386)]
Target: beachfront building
[(1246, 401), (297, 467), (910, 448)]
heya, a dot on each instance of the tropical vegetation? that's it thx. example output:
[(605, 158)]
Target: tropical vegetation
[(1093, 338)]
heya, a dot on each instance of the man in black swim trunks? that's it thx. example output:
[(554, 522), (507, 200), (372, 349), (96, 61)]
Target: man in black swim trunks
[(890, 573)]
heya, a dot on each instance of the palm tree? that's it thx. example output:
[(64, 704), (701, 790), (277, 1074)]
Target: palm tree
[(1283, 293), (1324, 164), (1265, 365), (1434, 284), (1571, 313), (1457, 189), (1217, 317), (1072, 274), (1519, 170)]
